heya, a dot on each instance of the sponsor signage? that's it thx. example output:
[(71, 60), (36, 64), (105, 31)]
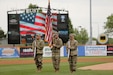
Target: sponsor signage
[(99, 50), (26, 52), (110, 50), (102, 39), (9, 52), (47, 51)]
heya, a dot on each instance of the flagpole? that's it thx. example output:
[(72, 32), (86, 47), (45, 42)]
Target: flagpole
[(48, 25), (48, 1)]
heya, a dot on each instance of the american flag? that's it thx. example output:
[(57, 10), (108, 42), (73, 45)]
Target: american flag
[(33, 23), (48, 26)]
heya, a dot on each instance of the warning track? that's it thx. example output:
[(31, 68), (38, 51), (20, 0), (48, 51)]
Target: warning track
[(48, 60)]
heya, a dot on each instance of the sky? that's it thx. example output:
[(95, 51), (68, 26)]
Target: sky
[(79, 12)]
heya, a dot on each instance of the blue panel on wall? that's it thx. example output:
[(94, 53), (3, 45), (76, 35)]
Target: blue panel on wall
[(65, 52), (81, 50)]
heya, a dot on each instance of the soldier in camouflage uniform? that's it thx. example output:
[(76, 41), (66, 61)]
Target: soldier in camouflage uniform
[(39, 44), (56, 45), (72, 51)]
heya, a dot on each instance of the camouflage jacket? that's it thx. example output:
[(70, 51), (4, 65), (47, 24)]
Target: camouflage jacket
[(73, 47), (58, 44), (39, 44)]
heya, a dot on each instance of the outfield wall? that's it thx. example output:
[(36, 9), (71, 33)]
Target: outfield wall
[(87, 50)]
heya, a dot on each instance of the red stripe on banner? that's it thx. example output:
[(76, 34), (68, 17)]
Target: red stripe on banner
[(39, 17), (26, 32), (39, 24), (53, 19), (22, 26)]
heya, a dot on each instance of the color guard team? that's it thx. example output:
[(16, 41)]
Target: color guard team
[(71, 47)]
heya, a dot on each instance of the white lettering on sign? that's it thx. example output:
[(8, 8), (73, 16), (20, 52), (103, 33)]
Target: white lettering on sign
[(28, 50)]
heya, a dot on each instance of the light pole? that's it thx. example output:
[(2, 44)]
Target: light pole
[(90, 39)]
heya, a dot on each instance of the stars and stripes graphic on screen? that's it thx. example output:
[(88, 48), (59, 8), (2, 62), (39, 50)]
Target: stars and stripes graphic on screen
[(54, 21), (33, 23), (48, 26)]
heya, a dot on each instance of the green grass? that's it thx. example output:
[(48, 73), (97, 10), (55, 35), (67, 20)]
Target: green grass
[(62, 57), (30, 69)]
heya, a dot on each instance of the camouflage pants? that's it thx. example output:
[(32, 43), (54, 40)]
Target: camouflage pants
[(38, 61), (56, 61), (72, 62)]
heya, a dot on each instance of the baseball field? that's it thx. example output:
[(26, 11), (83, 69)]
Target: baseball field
[(26, 66)]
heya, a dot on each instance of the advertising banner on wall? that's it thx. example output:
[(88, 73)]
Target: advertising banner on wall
[(26, 52), (9, 52), (109, 50), (99, 50), (48, 53)]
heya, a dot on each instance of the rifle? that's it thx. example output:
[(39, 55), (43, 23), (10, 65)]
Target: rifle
[(68, 49), (35, 49)]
